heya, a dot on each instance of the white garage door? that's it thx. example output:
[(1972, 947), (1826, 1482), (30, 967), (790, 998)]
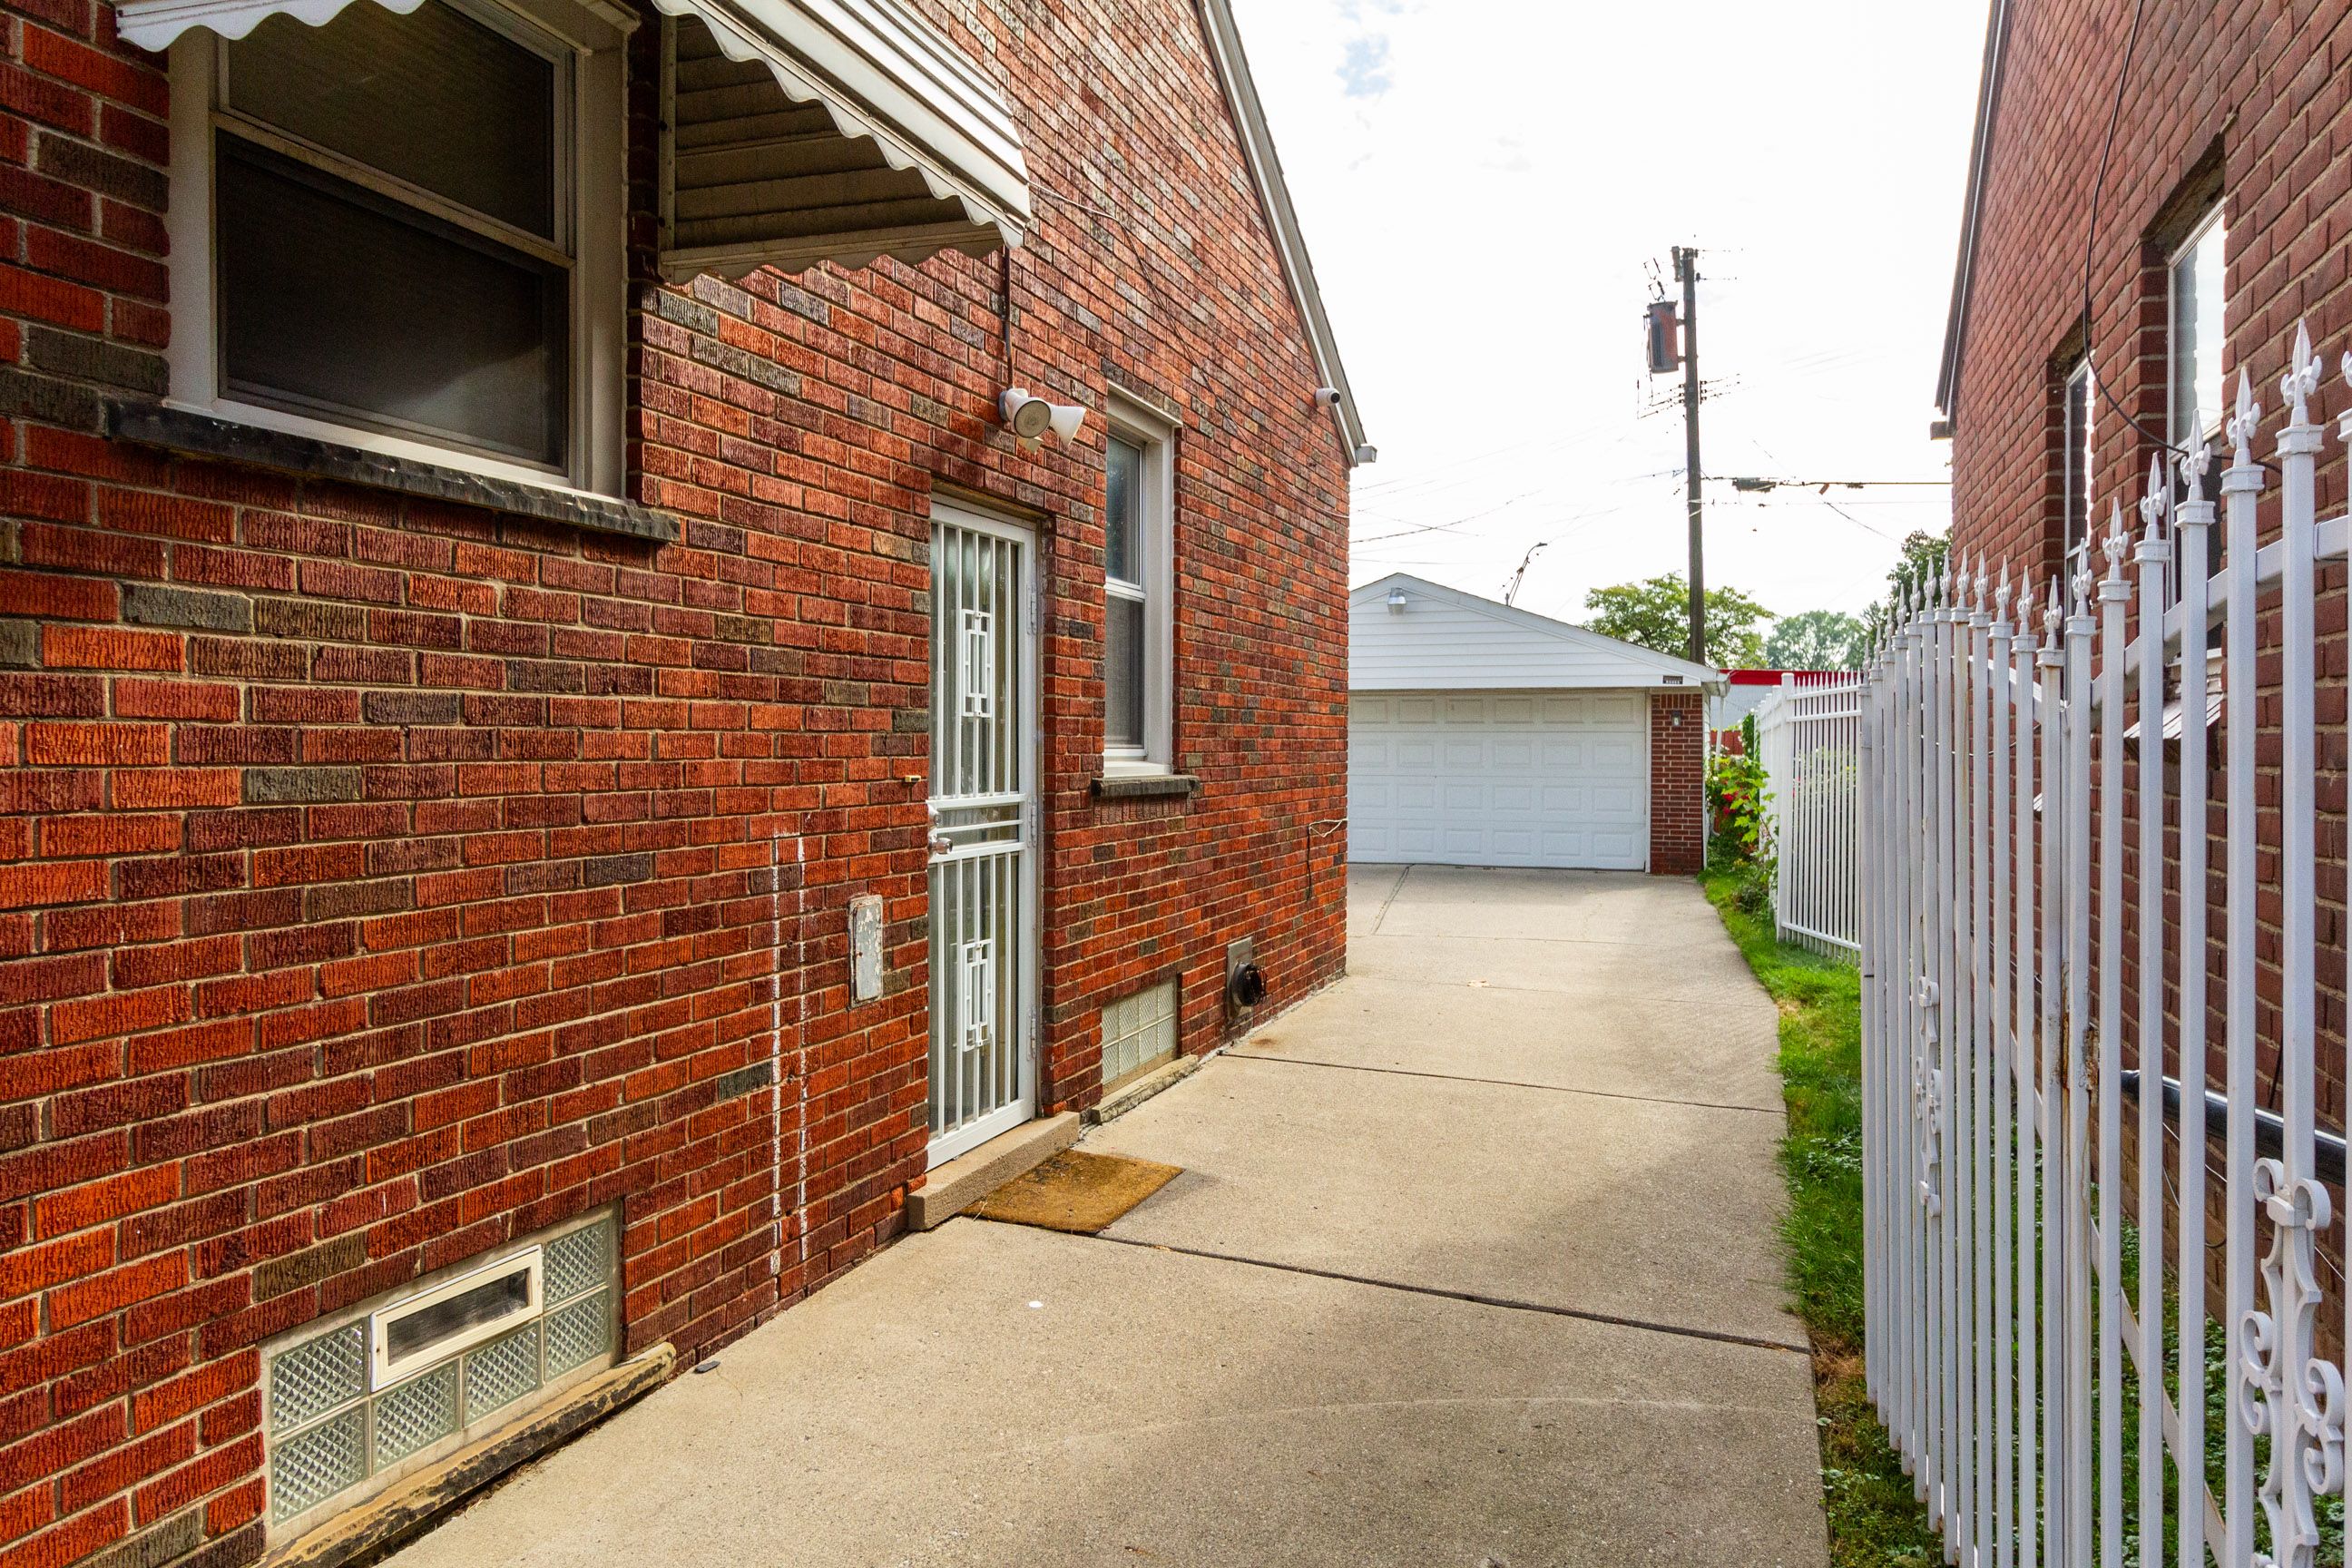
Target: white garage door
[(1500, 778)]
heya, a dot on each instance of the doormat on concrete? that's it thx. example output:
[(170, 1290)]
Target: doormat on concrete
[(1076, 1191)]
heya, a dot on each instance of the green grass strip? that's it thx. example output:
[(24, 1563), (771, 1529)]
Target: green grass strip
[(1873, 1520)]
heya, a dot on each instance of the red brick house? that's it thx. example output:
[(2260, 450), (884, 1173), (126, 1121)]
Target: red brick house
[(564, 744), (2080, 347), (2222, 201)]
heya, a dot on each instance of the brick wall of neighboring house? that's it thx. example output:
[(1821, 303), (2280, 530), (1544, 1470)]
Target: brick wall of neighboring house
[(381, 878), (1677, 781), (2238, 100)]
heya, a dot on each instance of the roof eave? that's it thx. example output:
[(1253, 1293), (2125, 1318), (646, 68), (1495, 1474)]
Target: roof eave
[(1282, 219), (1956, 321)]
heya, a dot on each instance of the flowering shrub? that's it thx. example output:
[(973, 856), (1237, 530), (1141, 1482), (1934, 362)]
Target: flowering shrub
[(1736, 795)]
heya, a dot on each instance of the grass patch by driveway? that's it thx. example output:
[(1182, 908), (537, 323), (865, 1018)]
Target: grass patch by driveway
[(1873, 1520)]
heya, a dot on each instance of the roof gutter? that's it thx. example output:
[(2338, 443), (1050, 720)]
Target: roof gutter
[(1956, 323)]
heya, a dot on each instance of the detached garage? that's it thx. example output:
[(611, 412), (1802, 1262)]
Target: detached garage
[(1484, 735)]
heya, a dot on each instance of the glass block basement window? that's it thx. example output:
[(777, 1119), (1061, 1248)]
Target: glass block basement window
[(1139, 1031), (354, 1406)]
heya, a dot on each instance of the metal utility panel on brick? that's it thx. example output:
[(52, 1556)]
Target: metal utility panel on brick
[(866, 947)]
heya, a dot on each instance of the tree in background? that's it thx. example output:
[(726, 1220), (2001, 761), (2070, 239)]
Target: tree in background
[(1816, 639), (1656, 615), (1922, 557)]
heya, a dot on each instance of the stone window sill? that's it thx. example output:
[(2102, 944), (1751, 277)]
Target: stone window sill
[(1146, 786), (202, 435)]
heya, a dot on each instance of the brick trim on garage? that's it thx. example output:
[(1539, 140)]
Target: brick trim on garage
[(1677, 781)]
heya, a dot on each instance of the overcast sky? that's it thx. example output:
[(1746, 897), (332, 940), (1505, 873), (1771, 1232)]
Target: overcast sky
[(1484, 185)]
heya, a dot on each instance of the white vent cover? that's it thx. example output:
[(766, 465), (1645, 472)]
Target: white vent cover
[(466, 1311)]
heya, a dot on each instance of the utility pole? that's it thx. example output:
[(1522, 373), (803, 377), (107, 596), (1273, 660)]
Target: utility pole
[(1686, 272)]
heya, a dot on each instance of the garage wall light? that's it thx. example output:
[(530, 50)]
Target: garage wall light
[(1396, 601)]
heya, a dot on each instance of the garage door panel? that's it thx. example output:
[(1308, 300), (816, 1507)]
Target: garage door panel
[(1615, 756), (1501, 779)]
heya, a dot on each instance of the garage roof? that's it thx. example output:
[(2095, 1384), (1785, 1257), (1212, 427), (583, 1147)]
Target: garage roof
[(1443, 639)]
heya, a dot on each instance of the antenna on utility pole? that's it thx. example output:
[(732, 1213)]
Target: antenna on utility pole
[(1511, 592), (1687, 271)]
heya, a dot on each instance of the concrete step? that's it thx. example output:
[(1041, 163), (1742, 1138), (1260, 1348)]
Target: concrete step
[(973, 1175)]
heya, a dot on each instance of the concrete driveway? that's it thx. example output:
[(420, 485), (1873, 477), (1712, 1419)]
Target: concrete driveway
[(1472, 1263)]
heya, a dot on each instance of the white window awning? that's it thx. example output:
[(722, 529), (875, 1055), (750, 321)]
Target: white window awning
[(797, 131), (807, 130)]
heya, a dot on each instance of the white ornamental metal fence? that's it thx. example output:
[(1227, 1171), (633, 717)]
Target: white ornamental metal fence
[(2064, 1380), (1809, 738)]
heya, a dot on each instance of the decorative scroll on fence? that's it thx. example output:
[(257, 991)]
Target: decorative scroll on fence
[(1808, 736), (2042, 1338)]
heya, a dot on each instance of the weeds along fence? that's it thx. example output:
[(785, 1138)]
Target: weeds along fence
[(2065, 1379), (1809, 739)]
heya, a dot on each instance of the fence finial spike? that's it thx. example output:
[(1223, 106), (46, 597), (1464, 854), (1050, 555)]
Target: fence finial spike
[(2193, 461), (2053, 617), (2118, 540), (2302, 379), (2154, 504), (1984, 582), (2001, 594), (2245, 421)]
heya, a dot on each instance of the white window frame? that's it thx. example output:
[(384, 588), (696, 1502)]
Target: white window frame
[(2212, 419), (1141, 425), (592, 203), (2078, 471)]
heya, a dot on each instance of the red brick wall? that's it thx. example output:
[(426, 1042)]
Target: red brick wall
[(1678, 783), (379, 879), (2254, 101)]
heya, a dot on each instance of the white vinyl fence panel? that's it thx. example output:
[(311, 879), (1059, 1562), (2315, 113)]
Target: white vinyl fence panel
[(2041, 1340), (1809, 738)]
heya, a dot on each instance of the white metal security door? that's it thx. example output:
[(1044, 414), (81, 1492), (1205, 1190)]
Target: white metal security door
[(983, 829)]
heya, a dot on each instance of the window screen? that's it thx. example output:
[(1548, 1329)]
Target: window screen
[(390, 223), (434, 98), (336, 301)]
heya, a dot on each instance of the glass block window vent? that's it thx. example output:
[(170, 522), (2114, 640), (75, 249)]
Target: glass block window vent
[(340, 1428), (1139, 1031)]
